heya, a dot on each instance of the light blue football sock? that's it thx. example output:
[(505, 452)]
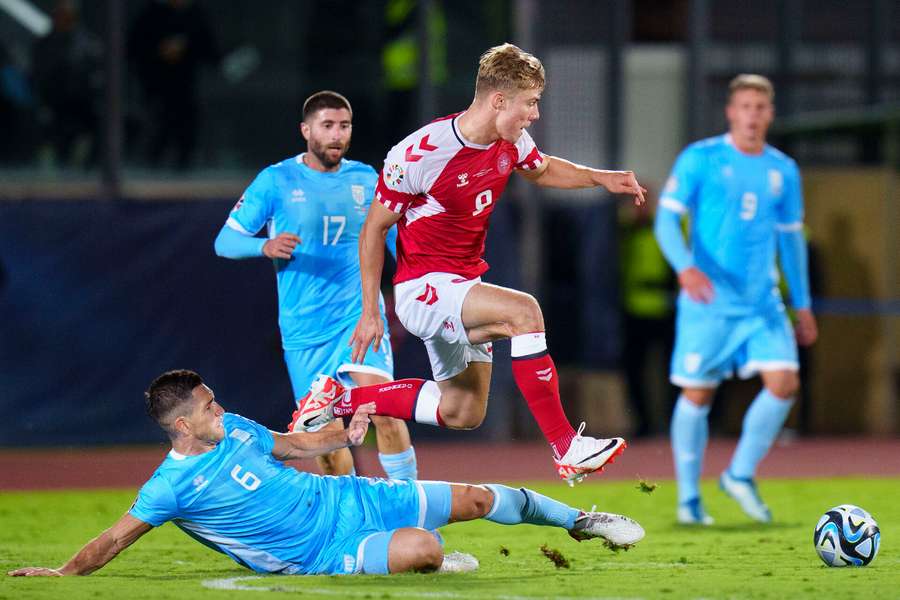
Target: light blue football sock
[(514, 506), (401, 465), (762, 423), (690, 432)]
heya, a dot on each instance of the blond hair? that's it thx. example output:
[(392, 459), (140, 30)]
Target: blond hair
[(751, 81), (508, 67)]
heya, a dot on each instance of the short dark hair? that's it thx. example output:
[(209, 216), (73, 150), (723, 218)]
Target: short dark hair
[(325, 99), (168, 393)]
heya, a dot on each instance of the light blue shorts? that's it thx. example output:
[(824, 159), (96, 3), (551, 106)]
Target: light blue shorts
[(374, 510), (710, 347), (333, 358)]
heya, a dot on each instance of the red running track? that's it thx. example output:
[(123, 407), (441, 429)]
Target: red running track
[(650, 459)]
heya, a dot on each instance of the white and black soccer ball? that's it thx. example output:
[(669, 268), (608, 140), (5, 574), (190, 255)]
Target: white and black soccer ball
[(846, 536)]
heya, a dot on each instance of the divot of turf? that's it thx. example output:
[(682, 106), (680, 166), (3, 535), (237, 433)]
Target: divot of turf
[(647, 488), (555, 556)]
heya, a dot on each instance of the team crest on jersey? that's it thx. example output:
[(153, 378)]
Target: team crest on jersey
[(671, 185), (359, 193), (393, 175), (240, 435), (199, 482), (504, 164), (776, 182), (349, 563)]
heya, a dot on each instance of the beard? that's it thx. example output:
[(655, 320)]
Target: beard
[(321, 151)]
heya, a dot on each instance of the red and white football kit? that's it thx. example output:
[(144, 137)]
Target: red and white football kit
[(445, 187)]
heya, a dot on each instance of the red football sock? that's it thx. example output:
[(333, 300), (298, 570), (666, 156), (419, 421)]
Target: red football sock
[(407, 399), (535, 374)]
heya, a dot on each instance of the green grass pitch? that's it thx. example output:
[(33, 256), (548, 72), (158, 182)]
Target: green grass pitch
[(733, 559)]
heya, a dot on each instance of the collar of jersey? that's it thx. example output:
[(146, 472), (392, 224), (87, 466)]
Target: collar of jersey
[(730, 142), (175, 455), (464, 141), (299, 161)]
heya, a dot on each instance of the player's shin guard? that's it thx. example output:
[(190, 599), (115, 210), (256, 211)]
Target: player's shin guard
[(762, 422), (401, 465), (407, 399), (690, 432), (514, 506), (536, 377)]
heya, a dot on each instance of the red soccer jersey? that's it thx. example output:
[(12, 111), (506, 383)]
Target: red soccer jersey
[(445, 187)]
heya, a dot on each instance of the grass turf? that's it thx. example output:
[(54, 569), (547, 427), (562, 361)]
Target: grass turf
[(733, 559)]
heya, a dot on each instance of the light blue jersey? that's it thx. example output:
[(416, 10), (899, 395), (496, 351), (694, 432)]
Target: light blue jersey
[(319, 293), (240, 500), (744, 210), (737, 203)]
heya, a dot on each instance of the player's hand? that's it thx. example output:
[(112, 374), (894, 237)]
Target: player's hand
[(625, 182), (697, 285), (281, 246), (35, 572), (369, 331), (359, 424), (805, 329)]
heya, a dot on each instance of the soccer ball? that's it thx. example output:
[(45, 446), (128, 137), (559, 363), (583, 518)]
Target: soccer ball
[(847, 535)]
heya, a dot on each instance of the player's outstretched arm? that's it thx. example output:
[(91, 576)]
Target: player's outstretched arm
[(559, 173), (96, 553), (309, 444), (370, 329)]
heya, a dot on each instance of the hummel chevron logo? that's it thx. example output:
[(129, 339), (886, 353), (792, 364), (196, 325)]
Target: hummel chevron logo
[(430, 296), (545, 374), (423, 145)]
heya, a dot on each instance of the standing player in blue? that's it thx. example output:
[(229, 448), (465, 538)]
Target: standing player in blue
[(223, 483), (744, 201), (314, 205)]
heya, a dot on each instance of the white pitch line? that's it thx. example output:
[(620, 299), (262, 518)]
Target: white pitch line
[(238, 584)]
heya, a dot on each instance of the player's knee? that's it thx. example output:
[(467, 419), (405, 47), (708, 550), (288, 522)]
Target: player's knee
[(698, 396), (467, 415), (528, 316), (784, 387), (428, 553)]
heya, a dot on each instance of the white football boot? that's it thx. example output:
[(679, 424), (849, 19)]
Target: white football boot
[(315, 409), (616, 529), (587, 455), (743, 491), (458, 562)]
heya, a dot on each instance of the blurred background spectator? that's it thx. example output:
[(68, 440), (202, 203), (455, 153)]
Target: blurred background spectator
[(648, 290), (67, 70), (168, 43), (16, 110)]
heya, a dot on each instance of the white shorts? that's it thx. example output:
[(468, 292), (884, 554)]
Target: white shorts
[(430, 308)]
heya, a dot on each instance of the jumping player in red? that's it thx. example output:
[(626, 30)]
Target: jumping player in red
[(440, 185)]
